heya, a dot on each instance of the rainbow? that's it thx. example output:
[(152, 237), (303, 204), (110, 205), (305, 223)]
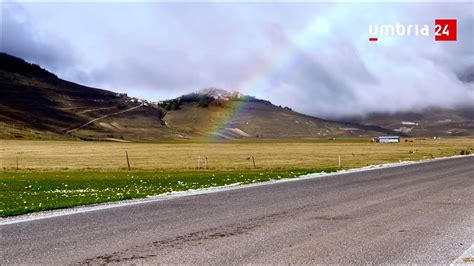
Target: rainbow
[(260, 78)]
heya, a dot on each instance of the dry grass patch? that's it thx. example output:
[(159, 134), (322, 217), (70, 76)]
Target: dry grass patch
[(77, 155)]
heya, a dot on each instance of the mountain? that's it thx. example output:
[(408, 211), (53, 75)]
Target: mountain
[(433, 121), (36, 104)]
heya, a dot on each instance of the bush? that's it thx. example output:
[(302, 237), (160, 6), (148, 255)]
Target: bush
[(171, 105), (204, 101)]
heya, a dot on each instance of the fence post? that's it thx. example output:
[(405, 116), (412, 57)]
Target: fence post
[(2, 151), (339, 161), (205, 163), (254, 165), (128, 161), (17, 163), (199, 163)]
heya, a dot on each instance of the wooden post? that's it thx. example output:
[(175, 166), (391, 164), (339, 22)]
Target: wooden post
[(17, 163), (253, 160), (199, 163), (128, 161), (205, 163), (339, 161), (1, 158)]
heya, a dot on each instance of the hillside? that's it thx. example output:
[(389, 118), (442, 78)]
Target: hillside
[(227, 115), (427, 122), (36, 104)]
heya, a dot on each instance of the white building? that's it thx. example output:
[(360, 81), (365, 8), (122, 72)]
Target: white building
[(387, 139)]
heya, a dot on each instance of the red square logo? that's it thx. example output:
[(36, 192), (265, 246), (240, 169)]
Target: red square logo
[(445, 30)]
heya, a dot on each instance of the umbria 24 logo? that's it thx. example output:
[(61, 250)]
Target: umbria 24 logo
[(443, 30)]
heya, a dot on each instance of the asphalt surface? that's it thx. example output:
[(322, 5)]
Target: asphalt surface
[(421, 213)]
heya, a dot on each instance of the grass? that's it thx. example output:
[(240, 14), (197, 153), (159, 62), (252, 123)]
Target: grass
[(314, 154), (30, 191), (60, 174)]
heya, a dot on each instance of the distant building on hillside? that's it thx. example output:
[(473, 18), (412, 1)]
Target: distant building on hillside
[(387, 139)]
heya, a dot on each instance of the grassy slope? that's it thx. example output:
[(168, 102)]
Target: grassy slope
[(258, 120), (45, 107)]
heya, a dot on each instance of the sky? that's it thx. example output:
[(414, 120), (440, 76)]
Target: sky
[(313, 57)]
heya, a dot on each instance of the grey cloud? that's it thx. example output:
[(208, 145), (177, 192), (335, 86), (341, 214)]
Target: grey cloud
[(20, 38)]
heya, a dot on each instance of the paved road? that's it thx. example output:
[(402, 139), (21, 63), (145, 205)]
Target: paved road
[(422, 213)]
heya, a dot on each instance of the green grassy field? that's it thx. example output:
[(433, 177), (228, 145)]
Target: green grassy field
[(27, 191), (60, 174)]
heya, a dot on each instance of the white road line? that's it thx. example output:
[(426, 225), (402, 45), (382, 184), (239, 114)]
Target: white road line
[(179, 194), (466, 258)]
